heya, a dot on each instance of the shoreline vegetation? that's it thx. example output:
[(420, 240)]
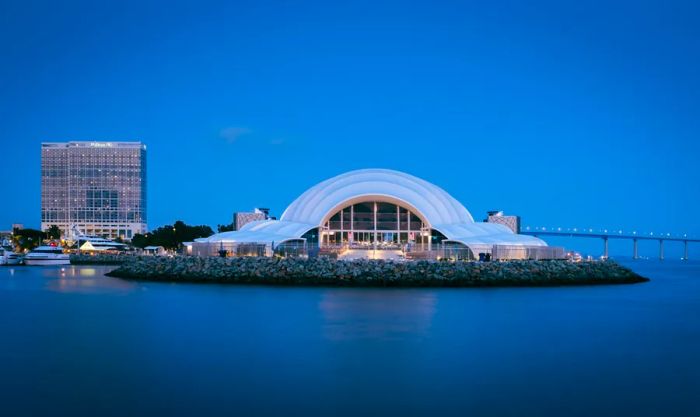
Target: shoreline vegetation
[(365, 273)]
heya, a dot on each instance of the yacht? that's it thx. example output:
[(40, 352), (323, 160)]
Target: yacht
[(47, 255), (8, 256), (95, 243)]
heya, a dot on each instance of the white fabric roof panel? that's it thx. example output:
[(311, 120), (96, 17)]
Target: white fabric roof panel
[(429, 200), (262, 231), (440, 210), (487, 233)]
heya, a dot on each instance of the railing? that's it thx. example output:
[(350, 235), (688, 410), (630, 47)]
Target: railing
[(231, 249), (447, 250), (502, 252), (293, 248), (481, 252)]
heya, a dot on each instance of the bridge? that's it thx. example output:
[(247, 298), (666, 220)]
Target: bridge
[(607, 234)]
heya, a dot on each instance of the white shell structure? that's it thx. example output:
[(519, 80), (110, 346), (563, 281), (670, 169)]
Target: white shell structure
[(437, 208)]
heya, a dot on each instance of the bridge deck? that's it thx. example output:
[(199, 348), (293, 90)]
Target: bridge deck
[(608, 235)]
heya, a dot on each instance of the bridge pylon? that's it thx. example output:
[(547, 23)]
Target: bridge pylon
[(605, 247)]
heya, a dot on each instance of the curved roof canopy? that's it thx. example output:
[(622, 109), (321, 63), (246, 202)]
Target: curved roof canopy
[(432, 202), (438, 209)]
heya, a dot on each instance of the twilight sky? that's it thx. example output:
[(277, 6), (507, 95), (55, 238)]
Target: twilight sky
[(572, 114)]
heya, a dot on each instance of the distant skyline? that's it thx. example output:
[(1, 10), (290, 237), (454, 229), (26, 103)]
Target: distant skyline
[(571, 115)]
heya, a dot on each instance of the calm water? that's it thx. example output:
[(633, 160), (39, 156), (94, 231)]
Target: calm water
[(73, 342)]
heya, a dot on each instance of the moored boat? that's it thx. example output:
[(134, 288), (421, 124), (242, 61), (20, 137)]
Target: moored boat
[(47, 255), (8, 256), (88, 243)]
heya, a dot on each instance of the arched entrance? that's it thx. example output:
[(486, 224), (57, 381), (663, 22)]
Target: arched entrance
[(374, 223)]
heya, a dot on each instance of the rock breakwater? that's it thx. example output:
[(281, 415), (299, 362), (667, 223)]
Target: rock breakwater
[(372, 273), (101, 259)]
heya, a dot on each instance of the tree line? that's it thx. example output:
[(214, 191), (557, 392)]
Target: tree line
[(171, 236), (28, 239)]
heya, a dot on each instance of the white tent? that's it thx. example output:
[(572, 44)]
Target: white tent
[(87, 246), (154, 250)]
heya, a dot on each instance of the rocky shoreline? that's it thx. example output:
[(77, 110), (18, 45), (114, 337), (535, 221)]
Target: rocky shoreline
[(373, 273), (101, 259)]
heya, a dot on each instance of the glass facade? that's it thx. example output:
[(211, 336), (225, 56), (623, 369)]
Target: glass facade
[(97, 187), (376, 224)]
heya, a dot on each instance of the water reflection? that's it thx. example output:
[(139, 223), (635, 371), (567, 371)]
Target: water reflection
[(189, 349), (383, 314), (83, 279)]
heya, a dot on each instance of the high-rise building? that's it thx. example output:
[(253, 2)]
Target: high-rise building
[(241, 218), (96, 188), (511, 222)]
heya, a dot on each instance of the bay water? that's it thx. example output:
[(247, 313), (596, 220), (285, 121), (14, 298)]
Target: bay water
[(74, 342)]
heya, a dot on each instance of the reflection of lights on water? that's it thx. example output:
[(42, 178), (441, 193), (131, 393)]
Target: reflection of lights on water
[(82, 279), (71, 283)]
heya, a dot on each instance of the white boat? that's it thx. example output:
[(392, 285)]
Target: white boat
[(8, 256), (94, 243), (47, 255), (98, 244)]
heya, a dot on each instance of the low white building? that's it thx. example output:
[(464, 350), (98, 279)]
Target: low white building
[(154, 250)]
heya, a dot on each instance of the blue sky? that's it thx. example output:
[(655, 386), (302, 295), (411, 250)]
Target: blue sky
[(573, 114)]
